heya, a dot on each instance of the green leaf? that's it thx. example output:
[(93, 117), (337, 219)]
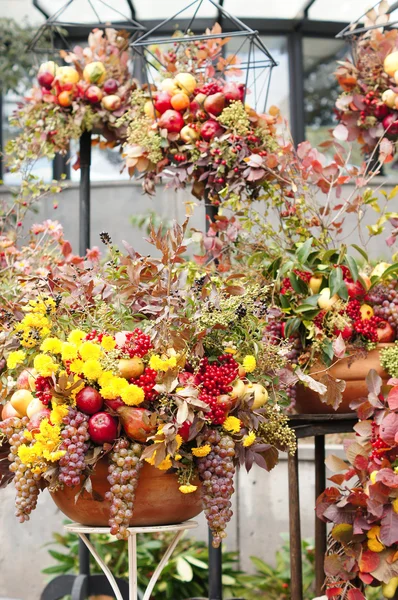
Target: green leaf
[(391, 270), (298, 284), (304, 308), (56, 569), (228, 580), (184, 569), (343, 291), (327, 256), (66, 558), (292, 325), (361, 252), (304, 250), (335, 280), (352, 265), (284, 301), (194, 561), (328, 352)]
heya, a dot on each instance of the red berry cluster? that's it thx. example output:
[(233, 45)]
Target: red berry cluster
[(353, 310), (43, 387), (208, 89), (215, 379), (286, 286), (368, 328), (94, 335), (379, 448), (346, 272), (303, 275), (318, 321), (180, 157), (146, 381), (137, 343)]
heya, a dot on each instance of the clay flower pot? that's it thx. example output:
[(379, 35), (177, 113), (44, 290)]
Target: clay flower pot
[(353, 373), (158, 500)]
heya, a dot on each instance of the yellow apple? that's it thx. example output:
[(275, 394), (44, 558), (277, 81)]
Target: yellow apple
[(169, 85), (20, 400), (366, 311), (389, 97), (67, 75), (95, 72), (390, 588), (48, 67), (391, 63), (150, 111), (186, 82), (32, 379), (9, 411), (34, 407), (315, 283), (131, 367), (379, 269), (260, 394), (189, 134), (238, 389), (325, 301)]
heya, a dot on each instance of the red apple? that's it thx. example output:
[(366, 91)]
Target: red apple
[(9, 412), (234, 91), (94, 94), (45, 79), (215, 103), (111, 102), (133, 423), (390, 123), (23, 380), (210, 129), (346, 333), (111, 86), (114, 404), (163, 102), (89, 400), (184, 430), (172, 121), (226, 402), (355, 289), (36, 419), (102, 428), (189, 134), (385, 333), (381, 111)]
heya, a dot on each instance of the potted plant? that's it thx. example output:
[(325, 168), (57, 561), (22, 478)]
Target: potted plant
[(133, 395)]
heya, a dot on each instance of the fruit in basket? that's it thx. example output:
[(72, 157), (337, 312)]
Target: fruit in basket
[(102, 428), (111, 86), (238, 389), (169, 86), (135, 422), (379, 269), (214, 104), (65, 99), (366, 311), (180, 101), (189, 134), (26, 380), (210, 129), (162, 102), (131, 367), (234, 91), (36, 419), (389, 97), (94, 94), (186, 82), (315, 284), (46, 75), (355, 289), (260, 394), (67, 75), (150, 110), (20, 400), (172, 121), (385, 333), (390, 588), (325, 300), (89, 400), (390, 124), (111, 102), (9, 411), (391, 63), (94, 72), (35, 406)]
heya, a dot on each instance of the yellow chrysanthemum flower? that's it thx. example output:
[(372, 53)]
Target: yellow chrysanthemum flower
[(249, 363), (76, 336), (114, 388), (90, 351), (27, 454), (230, 350), (249, 439), (162, 364), (178, 457), (15, 358), (201, 451), (188, 489), (58, 412), (133, 395), (51, 344), (108, 343), (395, 505), (179, 441), (92, 369), (105, 378), (232, 424), (44, 365), (165, 465), (76, 366), (53, 456), (68, 351)]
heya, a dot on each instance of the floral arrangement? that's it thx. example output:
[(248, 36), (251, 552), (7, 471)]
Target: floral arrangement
[(89, 93), (129, 362), (367, 109), (363, 505), (194, 125)]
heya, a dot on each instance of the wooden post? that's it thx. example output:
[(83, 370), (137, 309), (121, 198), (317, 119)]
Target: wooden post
[(296, 567)]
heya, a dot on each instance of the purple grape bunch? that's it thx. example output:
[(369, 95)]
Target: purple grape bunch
[(74, 441), (384, 299)]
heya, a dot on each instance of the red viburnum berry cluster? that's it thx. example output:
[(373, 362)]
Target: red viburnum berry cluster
[(379, 448), (137, 343), (286, 286), (353, 310), (303, 275), (368, 328), (208, 89), (147, 381), (215, 379), (43, 387), (318, 321), (94, 335)]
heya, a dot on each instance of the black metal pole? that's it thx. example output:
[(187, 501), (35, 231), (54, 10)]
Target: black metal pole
[(296, 85), (215, 570), (84, 192), (320, 526), (1, 136), (61, 166)]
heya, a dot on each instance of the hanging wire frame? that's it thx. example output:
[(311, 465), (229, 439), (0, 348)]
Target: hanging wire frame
[(55, 31), (249, 62)]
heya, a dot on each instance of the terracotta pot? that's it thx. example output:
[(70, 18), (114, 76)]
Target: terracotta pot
[(158, 500), (354, 374)]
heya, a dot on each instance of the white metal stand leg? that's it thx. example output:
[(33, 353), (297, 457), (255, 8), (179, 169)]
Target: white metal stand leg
[(103, 566), (162, 564), (132, 550)]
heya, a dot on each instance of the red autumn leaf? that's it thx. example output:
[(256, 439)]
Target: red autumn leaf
[(338, 479), (388, 477), (392, 398), (388, 428), (66, 249), (369, 561), (360, 462), (367, 578), (333, 592), (355, 594), (389, 527)]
